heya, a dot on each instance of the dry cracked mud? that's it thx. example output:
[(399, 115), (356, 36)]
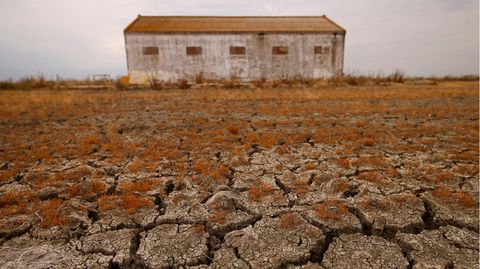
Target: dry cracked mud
[(301, 177)]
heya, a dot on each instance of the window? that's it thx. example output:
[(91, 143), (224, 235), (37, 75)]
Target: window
[(194, 51), (280, 50), (150, 50), (237, 50), (322, 50)]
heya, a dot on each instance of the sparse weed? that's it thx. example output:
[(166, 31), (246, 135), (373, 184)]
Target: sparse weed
[(331, 209), (257, 192), (290, 221)]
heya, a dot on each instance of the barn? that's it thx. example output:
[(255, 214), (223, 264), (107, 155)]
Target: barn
[(169, 48)]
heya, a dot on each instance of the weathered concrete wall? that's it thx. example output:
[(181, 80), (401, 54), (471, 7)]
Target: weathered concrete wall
[(215, 62)]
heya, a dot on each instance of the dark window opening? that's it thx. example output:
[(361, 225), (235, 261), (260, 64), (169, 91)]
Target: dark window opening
[(150, 50), (237, 50), (280, 50), (194, 50), (322, 50)]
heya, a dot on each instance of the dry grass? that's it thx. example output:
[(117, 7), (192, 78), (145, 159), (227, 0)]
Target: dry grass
[(300, 186), (51, 215), (311, 166), (202, 136), (466, 200), (198, 229), (128, 202), (447, 195), (330, 209), (218, 216), (140, 186), (343, 162), (342, 186), (290, 221), (372, 176), (443, 192), (233, 129), (256, 193)]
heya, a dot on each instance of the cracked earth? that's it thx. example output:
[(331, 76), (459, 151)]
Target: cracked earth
[(346, 177)]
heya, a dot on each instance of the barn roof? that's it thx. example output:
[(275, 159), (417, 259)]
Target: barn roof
[(191, 24)]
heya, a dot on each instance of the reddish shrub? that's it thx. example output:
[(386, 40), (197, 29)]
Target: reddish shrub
[(9, 198), (51, 215), (373, 177), (137, 186), (267, 141), (290, 221), (341, 186), (443, 192), (300, 186), (87, 143), (310, 166), (73, 191), (232, 129), (257, 192), (129, 202), (343, 162), (331, 209), (252, 138), (7, 174), (198, 229), (466, 200), (218, 216)]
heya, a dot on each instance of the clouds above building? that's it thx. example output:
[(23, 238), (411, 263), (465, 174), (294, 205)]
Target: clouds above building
[(75, 38)]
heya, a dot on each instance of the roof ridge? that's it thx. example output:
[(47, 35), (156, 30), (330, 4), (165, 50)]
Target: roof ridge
[(233, 24), (207, 16)]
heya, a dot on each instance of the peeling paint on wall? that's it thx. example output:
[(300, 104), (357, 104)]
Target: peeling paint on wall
[(296, 57)]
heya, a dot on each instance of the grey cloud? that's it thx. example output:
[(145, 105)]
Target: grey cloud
[(76, 38)]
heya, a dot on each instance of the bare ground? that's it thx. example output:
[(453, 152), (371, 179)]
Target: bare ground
[(346, 177)]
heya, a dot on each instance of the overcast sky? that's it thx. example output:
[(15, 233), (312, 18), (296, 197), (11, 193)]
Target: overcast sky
[(75, 38)]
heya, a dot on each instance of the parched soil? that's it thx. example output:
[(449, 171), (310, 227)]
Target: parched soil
[(295, 177)]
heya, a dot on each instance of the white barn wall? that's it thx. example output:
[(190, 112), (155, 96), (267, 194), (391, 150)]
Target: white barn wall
[(215, 62)]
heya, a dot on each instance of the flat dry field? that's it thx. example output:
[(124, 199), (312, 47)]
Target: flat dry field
[(345, 177)]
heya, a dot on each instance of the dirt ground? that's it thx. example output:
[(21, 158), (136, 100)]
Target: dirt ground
[(299, 177)]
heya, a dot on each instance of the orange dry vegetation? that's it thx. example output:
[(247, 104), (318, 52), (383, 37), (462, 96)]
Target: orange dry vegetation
[(87, 143), (290, 221), (141, 165), (342, 186), (310, 166), (138, 186), (51, 215), (447, 195), (218, 216), (219, 212), (372, 176), (300, 186), (128, 202), (267, 141), (443, 192), (213, 170), (198, 229), (257, 192), (343, 162), (331, 209), (79, 141), (233, 129), (466, 200)]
